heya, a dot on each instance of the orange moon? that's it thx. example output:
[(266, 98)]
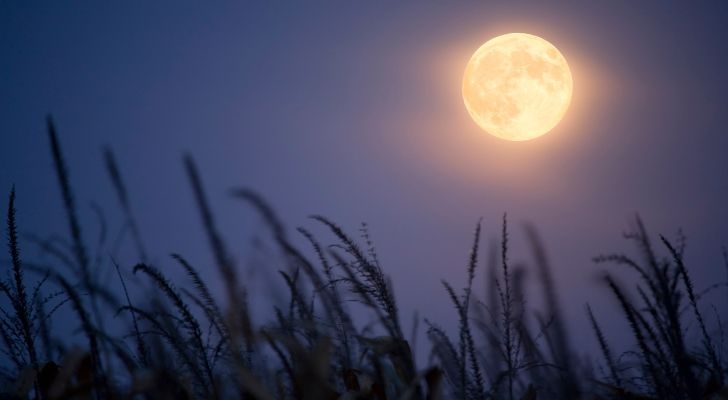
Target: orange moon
[(517, 86)]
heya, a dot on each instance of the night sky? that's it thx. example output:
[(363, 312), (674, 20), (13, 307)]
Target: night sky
[(353, 110)]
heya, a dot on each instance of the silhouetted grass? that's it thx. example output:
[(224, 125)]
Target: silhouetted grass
[(668, 367), (186, 341), (604, 347)]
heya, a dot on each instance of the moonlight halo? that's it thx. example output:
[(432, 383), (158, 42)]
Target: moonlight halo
[(517, 86)]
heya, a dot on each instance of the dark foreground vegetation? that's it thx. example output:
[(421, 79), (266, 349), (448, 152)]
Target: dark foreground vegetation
[(187, 342)]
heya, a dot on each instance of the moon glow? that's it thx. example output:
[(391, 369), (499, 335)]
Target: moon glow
[(517, 86)]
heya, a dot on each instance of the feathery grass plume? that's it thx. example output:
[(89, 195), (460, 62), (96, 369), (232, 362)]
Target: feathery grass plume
[(164, 326), (716, 369), (471, 377), (299, 305), (373, 281), (649, 306), (444, 350), (509, 348), (333, 305), (239, 322), (9, 333), (395, 348), (399, 351), (327, 292), (190, 322), (604, 347), (467, 335), (506, 305), (361, 290), (655, 379), (206, 302), (662, 324), (279, 234), (660, 354), (20, 300), (671, 306), (167, 330), (120, 188), (296, 260)]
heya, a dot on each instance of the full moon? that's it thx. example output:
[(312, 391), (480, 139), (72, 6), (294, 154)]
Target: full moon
[(517, 86)]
